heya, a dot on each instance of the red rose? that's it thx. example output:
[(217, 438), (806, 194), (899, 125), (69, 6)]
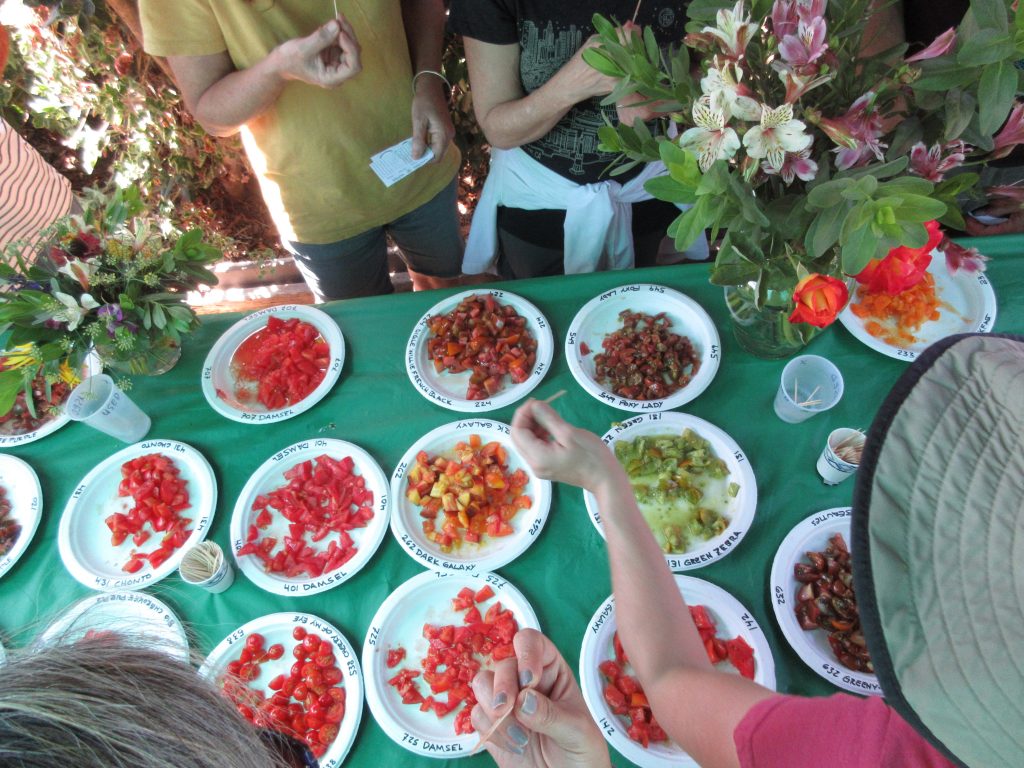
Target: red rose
[(902, 268), (819, 299)]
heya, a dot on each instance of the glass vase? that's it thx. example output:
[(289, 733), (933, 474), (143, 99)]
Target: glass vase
[(765, 331), (155, 358)]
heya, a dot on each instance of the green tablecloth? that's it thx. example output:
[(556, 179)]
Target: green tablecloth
[(565, 573)]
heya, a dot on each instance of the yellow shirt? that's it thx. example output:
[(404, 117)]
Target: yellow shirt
[(311, 150)]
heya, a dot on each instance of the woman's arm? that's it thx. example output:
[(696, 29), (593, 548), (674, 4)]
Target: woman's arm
[(509, 118), (222, 99), (698, 706)]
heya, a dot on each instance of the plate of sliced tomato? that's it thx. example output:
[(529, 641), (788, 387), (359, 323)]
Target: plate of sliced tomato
[(479, 350), (966, 303), (310, 517), (273, 364), (135, 617), (813, 645), (643, 348), (294, 673), (464, 500), (734, 642), (733, 498), (21, 507), (425, 643), (131, 519)]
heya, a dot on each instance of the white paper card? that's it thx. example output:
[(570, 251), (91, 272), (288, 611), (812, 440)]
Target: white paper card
[(395, 163)]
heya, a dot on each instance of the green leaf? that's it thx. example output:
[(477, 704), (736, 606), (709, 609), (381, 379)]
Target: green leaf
[(996, 90), (954, 185), (918, 208), (691, 224), (604, 26), (878, 170), (828, 194), (942, 74), (733, 274), (602, 62), (906, 185), (858, 250), (959, 111), (988, 15), (824, 230), (651, 44), (988, 47), (11, 383), (159, 317), (671, 190)]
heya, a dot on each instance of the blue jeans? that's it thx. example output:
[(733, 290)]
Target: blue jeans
[(428, 239)]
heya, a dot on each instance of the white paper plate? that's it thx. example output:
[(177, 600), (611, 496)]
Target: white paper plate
[(139, 618), (491, 553), (812, 535), (218, 381), (20, 482), (731, 619), (277, 628), (84, 539), (270, 476), (92, 365), (599, 317), (3, 655), (449, 389), (740, 509), (973, 310), (399, 621)]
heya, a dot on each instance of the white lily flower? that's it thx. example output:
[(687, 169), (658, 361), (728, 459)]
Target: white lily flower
[(74, 312), (82, 271), (722, 85), (733, 30), (711, 139), (777, 134)]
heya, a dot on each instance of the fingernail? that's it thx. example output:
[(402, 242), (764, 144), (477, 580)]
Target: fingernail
[(516, 750), (518, 736), (499, 700), (529, 704), (525, 678)]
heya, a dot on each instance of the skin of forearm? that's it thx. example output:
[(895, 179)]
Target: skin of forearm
[(239, 97), (515, 123), (424, 31), (653, 620)]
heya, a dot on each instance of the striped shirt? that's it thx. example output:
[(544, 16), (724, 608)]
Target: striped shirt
[(32, 193)]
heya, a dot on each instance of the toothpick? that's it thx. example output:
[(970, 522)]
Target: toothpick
[(554, 397), (336, 14), (796, 382), (637, 11), (810, 399), (484, 739)]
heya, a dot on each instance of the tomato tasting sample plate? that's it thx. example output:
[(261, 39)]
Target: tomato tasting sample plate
[(138, 618), (738, 510), (398, 624), (21, 491), (288, 630), (968, 306), (450, 390), (812, 646), (220, 382), (599, 318), (731, 620), (48, 423), (84, 539), (271, 476), (514, 535)]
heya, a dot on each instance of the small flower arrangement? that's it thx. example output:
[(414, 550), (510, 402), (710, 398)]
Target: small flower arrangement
[(811, 158), (109, 283)]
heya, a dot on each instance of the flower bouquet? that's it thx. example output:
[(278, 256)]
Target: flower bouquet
[(108, 284), (812, 158)]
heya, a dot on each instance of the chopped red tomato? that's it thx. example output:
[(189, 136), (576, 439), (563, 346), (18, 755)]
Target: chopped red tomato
[(287, 360)]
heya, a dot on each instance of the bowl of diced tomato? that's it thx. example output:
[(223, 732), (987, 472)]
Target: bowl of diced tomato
[(273, 364), (464, 500)]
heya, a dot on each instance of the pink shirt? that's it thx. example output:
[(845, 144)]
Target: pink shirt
[(840, 731)]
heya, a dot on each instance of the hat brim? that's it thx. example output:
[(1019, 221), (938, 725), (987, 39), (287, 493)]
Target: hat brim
[(936, 563)]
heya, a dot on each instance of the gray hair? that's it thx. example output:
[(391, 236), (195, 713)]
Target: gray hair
[(102, 703)]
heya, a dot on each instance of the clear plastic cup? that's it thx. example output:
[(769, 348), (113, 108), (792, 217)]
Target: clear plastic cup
[(101, 404), (810, 385), (834, 468)]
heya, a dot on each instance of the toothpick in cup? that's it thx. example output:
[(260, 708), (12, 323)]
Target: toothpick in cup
[(205, 566), (841, 456)]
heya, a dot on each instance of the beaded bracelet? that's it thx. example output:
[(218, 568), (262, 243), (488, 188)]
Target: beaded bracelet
[(429, 72)]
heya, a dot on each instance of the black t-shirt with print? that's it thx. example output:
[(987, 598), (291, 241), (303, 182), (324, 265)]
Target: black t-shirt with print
[(549, 32)]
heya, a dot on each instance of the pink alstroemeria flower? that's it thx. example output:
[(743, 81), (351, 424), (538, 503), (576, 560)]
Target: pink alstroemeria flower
[(795, 165), (807, 45), (857, 133), (1011, 134), (940, 46), (797, 85), (930, 164), (958, 257), (784, 18)]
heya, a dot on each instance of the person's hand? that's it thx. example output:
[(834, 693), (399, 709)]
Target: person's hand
[(556, 450), (326, 58), (1014, 224), (431, 120), (629, 114), (582, 79), (549, 725)]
